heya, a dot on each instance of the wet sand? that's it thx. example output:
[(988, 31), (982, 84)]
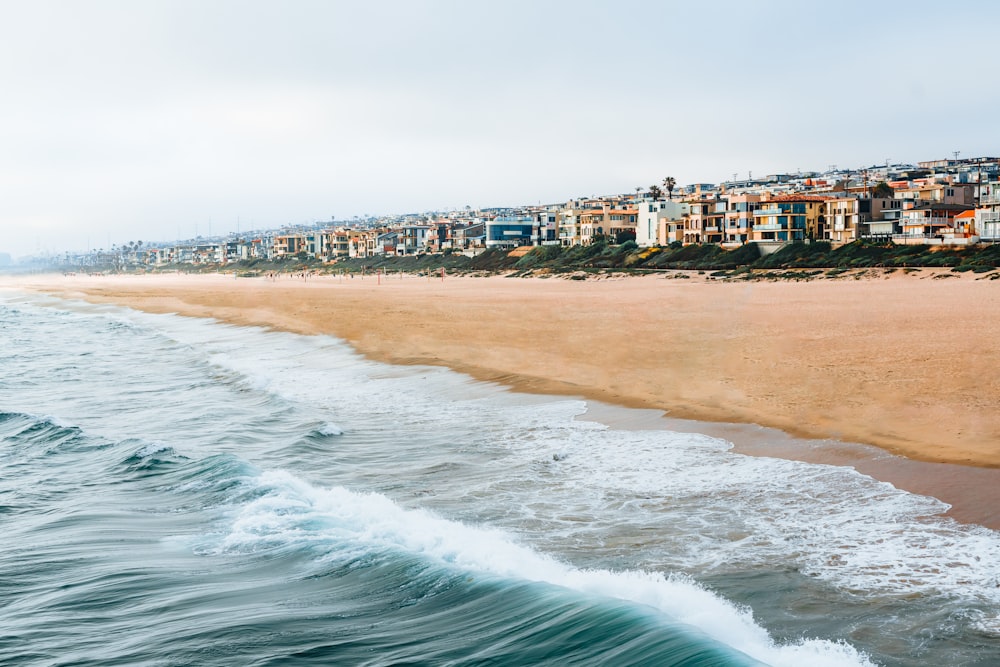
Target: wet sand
[(904, 363)]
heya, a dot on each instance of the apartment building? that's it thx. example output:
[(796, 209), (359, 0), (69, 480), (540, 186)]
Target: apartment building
[(511, 231), (706, 220), (738, 219), (787, 218), (930, 220), (289, 244), (988, 212), (653, 220)]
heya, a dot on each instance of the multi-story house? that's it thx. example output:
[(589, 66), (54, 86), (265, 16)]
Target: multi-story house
[(924, 192), (706, 220), (511, 231), (439, 236), (568, 224), (839, 220), (208, 253), (412, 239), (289, 244), (337, 243), (548, 226), (386, 242), (316, 245), (467, 236), (621, 223), (368, 243), (930, 220), (257, 249), (608, 222), (653, 218), (787, 218), (988, 212), (739, 217)]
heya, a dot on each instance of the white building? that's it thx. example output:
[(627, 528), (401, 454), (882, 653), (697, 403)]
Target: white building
[(651, 216)]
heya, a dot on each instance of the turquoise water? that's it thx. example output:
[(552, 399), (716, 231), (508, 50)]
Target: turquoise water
[(177, 491)]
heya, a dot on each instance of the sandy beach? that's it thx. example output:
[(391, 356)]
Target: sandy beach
[(906, 363)]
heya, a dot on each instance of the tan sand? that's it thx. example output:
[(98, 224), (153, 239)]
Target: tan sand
[(904, 363)]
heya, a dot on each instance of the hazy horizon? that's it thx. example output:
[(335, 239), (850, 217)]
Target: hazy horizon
[(155, 121)]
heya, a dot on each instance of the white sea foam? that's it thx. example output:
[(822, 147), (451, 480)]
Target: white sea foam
[(645, 501), (58, 421), (297, 513), (711, 508), (153, 448), (329, 428)]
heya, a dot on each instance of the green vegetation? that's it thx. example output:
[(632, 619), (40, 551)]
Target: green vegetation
[(793, 261)]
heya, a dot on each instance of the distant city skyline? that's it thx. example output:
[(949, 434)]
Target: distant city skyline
[(155, 120)]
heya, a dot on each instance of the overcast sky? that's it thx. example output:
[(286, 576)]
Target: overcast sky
[(126, 120)]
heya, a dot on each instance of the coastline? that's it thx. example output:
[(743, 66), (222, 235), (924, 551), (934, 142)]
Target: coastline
[(717, 353)]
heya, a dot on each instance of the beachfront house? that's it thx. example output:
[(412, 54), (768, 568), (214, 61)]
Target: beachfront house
[(839, 220), (548, 225), (469, 236), (988, 212), (337, 243), (610, 221), (929, 222), (511, 231), (706, 220), (652, 218), (739, 217), (412, 239), (568, 224), (783, 218), (289, 244)]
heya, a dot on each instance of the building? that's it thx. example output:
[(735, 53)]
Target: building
[(738, 219), (469, 236), (511, 231), (787, 218), (988, 212), (412, 239), (929, 220), (289, 244), (652, 218), (839, 220)]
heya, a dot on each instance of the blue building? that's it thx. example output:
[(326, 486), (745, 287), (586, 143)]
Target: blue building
[(511, 231)]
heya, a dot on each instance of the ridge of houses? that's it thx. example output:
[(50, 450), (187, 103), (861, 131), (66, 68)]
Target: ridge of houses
[(936, 202)]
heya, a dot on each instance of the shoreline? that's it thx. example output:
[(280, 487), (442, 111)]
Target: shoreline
[(463, 324)]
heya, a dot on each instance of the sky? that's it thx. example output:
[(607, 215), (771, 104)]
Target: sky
[(157, 120)]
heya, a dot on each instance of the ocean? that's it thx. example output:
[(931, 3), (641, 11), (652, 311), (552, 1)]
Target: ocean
[(178, 491)]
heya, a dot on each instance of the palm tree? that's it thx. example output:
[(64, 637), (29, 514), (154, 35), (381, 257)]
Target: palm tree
[(669, 182), (655, 192)]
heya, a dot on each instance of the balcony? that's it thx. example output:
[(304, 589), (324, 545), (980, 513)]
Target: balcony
[(771, 226), (770, 211), (933, 221), (992, 200)]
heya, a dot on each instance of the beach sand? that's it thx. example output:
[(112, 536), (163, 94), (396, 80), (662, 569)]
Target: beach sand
[(906, 363)]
